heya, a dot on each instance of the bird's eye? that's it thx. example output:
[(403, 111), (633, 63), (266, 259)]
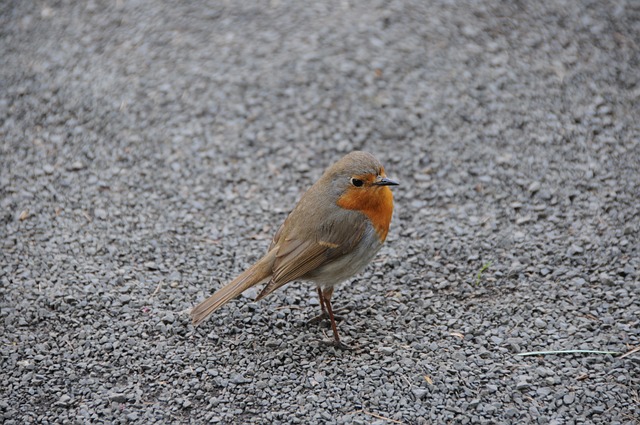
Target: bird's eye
[(356, 182)]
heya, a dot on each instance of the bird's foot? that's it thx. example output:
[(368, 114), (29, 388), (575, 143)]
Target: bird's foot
[(337, 344), (319, 318)]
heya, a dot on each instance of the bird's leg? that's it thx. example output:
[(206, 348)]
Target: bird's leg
[(322, 306), (326, 295), (323, 314)]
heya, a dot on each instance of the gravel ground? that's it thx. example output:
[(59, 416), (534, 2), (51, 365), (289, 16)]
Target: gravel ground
[(150, 150)]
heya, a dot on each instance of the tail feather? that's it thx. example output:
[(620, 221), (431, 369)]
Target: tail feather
[(251, 277)]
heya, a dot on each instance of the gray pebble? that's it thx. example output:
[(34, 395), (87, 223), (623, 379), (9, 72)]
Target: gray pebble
[(540, 323), (569, 398), (238, 378), (420, 393), (118, 397), (574, 250), (64, 400), (76, 166), (100, 213), (544, 391)]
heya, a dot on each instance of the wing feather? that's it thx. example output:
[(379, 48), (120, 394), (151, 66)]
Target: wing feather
[(295, 258)]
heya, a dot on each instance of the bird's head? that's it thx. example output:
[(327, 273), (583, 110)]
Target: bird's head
[(361, 184)]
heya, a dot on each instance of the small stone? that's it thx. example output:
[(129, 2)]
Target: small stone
[(534, 412), (606, 279), (629, 270), (420, 393), (518, 235), (417, 204), (237, 378), (117, 397), (574, 249), (511, 412), (151, 265), (539, 323), (569, 398), (489, 408), (250, 294), (48, 169), (534, 187), (544, 391), (76, 166), (100, 213), (386, 350)]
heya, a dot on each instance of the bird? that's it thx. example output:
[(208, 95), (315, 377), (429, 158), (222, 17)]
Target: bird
[(333, 232)]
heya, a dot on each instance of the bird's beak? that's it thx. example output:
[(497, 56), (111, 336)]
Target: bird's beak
[(384, 181)]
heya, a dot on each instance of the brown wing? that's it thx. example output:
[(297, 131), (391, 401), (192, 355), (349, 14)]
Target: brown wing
[(276, 237), (297, 257)]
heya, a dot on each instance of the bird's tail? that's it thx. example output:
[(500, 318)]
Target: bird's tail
[(252, 276)]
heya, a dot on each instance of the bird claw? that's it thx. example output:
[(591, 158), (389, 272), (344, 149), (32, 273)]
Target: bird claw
[(320, 318), (338, 344), (342, 346)]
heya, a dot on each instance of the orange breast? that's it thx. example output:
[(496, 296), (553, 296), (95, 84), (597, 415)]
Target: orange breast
[(375, 202)]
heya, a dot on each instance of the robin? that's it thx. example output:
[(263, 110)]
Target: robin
[(334, 231)]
